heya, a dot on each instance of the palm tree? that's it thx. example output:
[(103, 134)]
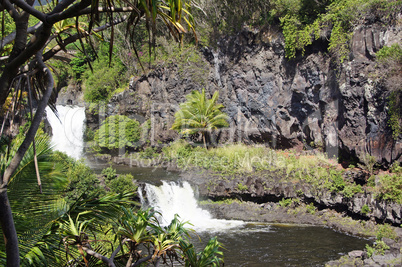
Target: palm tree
[(200, 115), (33, 211)]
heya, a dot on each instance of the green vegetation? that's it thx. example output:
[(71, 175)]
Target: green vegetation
[(390, 54), (118, 183), (389, 61), (82, 182), (105, 77), (116, 132), (200, 115), (390, 187), (369, 163), (318, 171), (310, 208), (305, 21), (365, 210), (229, 159), (75, 208), (285, 202), (386, 231), (395, 113), (379, 247), (242, 187)]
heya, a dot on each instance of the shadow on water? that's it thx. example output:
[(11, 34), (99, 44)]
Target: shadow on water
[(257, 245)]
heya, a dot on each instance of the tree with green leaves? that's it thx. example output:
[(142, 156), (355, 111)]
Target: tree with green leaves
[(200, 115), (117, 131), (35, 37)]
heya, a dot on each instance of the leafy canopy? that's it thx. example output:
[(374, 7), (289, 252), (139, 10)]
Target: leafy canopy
[(118, 131)]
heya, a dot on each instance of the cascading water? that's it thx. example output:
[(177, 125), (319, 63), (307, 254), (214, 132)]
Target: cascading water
[(171, 198), (217, 68), (69, 130)]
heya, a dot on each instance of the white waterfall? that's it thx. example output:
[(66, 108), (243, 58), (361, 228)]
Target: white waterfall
[(68, 132), (170, 199), (217, 68)]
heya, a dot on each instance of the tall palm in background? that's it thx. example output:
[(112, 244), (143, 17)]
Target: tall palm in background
[(200, 115)]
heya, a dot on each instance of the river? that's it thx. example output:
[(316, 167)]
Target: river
[(245, 243)]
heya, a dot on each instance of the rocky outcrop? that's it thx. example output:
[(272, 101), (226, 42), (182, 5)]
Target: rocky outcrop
[(308, 102), (71, 95), (270, 186)]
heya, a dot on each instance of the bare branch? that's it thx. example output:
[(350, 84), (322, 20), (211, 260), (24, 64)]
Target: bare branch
[(137, 263), (61, 6), (29, 9), (98, 256), (71, 12), (10, 8), (115, 253), (9, 38)]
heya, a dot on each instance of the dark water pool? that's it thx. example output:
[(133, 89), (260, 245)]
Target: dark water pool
[(257, 245)]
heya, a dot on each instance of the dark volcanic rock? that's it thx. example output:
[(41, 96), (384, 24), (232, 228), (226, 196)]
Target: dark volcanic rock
[(308, 102), (268, 187)]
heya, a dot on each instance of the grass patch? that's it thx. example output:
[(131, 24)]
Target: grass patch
[(317, 170)]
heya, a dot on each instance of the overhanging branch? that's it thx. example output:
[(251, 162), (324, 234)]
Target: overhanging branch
[(16, 160), (48, 55), (29, 9)]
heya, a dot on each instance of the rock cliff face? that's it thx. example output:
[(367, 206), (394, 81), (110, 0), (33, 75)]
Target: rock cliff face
[(310, 101)]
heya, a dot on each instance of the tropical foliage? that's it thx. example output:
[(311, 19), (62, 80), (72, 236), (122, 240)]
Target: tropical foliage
[(24, 69), (67, 223), (200, 115), (305, 21), (117, 131)]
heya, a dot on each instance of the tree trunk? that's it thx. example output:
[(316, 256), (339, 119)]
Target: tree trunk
[(9, 232), (203, 139)]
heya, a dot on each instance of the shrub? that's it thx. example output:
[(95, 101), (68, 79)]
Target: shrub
[(304, 21), (123, 183), (351, 189), (338, 184), (116, 132), (396, 168), (109, 173), (378, 247), (365, 210), (242, 187), (395, 113), (285, 202), (391, 187), (369, 163), (82, 181), (390, 53), (386, 231), (148, 153), (101, 82), (311, 208)]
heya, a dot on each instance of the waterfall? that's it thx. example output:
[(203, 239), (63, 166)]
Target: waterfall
[(171, 198), (69, 130), (217, 68)]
